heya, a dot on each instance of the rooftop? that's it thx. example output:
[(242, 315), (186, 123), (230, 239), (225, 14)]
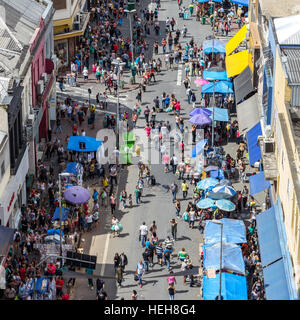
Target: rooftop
[(279, 8), (288, 30)]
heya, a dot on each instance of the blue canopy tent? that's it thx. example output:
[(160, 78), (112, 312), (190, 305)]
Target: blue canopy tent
[(223, 87), (73, 167), (89, 144), (217, 45), (220, 114), (215, 75), (203, 1), (52, 232), (244, 3), (234, 231), (253, 147), (64, 213), (233, 287), (198, 148), (232, 258), (258, 183)]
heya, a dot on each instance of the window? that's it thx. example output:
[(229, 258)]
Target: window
[(60, 4), (2, 169)]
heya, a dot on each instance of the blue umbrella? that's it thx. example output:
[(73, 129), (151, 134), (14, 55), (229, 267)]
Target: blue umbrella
[(211, 168), (206, 203), (200, 111), (200, 119), (207, 183), (227, 191), (225, 182), (225, 205)]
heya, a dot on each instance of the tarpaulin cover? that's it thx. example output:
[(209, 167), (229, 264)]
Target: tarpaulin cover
[(215, 75), (232, 258), (268, 237), (258, 183), (41, 285), (236, 63), (220, 114), (217, 45), (6, 239), (64, 213), (73, 167), (276, 283), (253, 147), (202, 1), (91, 144), (234, 231), (244, 3), (51, 232), (232, 44), (199, 148), (220, 87), (243, 85), (233, 287), (247, 114), (218, 174)]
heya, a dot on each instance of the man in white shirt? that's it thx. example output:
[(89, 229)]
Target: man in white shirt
[(143, 233), (83, 132), (174, 163)]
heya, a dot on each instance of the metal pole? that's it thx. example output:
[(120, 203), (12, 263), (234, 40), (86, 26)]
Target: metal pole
[(213, 44), (59, 186), (220, 272), (118, 109), (213, 117), (131, 38)]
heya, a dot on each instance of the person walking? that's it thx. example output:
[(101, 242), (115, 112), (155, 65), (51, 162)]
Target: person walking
[(184, 188), (140, 271), (173, 223), (174, 163), (143, 232), (90, 279), (177, 208), (119, 275), (159, 253), (123, 261), (171, 291), (99, 285), (146, 259), (112, 203), (174, 190), (137, 193)]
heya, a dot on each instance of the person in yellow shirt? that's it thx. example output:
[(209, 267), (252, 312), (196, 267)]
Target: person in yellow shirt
[(184, 188)]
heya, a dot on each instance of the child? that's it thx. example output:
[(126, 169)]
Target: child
[(130, 200)]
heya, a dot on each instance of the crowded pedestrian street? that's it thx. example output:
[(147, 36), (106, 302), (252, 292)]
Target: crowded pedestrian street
[(149, 184)]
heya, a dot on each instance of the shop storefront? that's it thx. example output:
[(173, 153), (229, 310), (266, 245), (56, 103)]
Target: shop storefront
[(14, 195)]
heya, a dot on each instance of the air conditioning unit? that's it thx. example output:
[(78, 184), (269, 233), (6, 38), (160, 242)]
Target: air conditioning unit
[(30, 119), (269, 145), (78, 17), (40, 87), (76, 25), (44, 77)]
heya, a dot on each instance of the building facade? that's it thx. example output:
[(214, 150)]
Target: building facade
[(276, 29), (70, 21), (28, 85)]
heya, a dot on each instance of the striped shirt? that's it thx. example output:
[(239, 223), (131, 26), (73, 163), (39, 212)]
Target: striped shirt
[(159, 249), (168, 243)]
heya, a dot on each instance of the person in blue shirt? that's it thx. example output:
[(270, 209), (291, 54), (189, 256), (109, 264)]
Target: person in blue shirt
[(95, 195)]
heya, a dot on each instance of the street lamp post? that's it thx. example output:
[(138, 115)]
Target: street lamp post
[(221, 249), (118, 63), (62, 174), (213, 113)]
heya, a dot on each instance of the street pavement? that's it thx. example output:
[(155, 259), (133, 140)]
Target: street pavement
[(156, 201)]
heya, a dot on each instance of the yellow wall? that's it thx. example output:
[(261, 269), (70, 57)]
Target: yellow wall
[(287, 158)]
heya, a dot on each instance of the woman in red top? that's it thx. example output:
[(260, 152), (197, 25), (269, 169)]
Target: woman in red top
[(59, 286), (148, 131), (22, 272)]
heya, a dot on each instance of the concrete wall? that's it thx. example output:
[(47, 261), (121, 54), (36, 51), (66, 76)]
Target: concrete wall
[(286, 162)]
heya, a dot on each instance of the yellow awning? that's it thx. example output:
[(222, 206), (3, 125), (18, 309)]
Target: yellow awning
[(236, 63), (236, 40)]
